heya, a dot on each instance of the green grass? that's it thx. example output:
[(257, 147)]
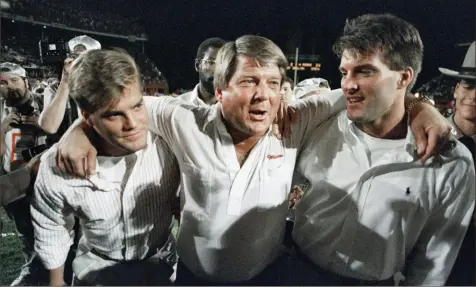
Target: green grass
[(11, 257)]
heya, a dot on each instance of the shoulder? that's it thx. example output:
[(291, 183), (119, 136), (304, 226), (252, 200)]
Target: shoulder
[(459, 155)]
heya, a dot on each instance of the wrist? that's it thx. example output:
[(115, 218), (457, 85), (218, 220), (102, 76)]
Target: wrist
[(413, 104)]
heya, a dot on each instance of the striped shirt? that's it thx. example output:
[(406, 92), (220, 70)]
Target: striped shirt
[(121, 221)]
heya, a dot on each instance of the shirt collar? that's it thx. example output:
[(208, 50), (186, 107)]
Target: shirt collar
[(102, 183), (194, 97), (410, 147)]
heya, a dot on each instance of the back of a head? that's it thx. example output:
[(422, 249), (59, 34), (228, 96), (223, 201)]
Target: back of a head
[(259, 48), (398, 40), (209, 43), (98, 77)]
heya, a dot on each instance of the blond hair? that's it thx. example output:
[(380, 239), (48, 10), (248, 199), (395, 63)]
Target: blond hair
[(98, 78), (259, 48)]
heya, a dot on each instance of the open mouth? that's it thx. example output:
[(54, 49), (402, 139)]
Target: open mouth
[(258, 115), (355, 100)]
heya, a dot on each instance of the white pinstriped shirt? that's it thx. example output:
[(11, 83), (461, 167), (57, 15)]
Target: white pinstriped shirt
[(120, 221)]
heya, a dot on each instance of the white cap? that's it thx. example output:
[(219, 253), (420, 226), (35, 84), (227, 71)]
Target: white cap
[(307, 86), (87, 41), (11, 69)]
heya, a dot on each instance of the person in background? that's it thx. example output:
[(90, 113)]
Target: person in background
[(312, 86), (464, 122), (60, 111), (203, 93), (21, 136), (286, 91)]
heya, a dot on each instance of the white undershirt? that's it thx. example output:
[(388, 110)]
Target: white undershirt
[(377, 147), (115, 169)]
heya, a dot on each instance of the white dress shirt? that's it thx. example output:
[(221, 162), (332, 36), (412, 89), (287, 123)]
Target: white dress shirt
[(192, 97), (232, 219), (125, 210), (370, 214)]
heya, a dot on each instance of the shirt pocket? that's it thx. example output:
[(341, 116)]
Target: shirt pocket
[(197, 185), (275, 184)]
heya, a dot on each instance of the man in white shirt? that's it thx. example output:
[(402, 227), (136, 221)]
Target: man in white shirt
[(125, 209), (236, 175), (204, 93), (464, 122), (372, 210), (60, 110)]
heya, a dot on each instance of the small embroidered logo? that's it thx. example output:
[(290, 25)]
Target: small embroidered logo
[(272, 156), (408, 191)]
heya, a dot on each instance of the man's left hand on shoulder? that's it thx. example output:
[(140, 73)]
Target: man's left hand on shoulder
[(431, 130)]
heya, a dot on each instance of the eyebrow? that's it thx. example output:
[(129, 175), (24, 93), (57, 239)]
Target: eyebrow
[(110, 113), (361, 67)]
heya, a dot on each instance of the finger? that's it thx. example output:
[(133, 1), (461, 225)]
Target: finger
[(78, 167), (91, 162), (275, 128), (432, 146), (292, 115), (421, 140), (279, 122), (287, 126), (282, 119), (59, 162), (68, 164)]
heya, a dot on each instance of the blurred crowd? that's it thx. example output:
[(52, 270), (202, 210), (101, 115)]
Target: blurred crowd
[(74, 14)]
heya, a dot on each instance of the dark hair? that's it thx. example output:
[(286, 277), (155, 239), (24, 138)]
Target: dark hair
[(210, 42), (398, 40), (290, 81)]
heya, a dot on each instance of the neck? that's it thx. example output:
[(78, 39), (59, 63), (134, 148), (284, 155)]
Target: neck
[(206, 96), (239, 138), (390, 126), (466, 127)]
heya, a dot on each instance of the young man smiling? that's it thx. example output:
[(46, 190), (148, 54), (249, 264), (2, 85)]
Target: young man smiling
[(372, 209), (125, 209)]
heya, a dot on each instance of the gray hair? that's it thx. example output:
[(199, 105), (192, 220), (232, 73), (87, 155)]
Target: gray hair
[(263, 50)]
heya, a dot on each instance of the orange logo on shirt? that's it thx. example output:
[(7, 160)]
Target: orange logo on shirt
[(272, 156)]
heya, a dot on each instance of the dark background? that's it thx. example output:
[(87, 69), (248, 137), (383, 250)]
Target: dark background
[(176, 28)]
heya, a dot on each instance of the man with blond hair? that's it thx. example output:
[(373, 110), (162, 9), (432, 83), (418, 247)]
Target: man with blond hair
[(125, 209)]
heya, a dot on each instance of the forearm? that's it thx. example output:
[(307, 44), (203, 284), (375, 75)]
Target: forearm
[(57, 276), (53, 114)]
